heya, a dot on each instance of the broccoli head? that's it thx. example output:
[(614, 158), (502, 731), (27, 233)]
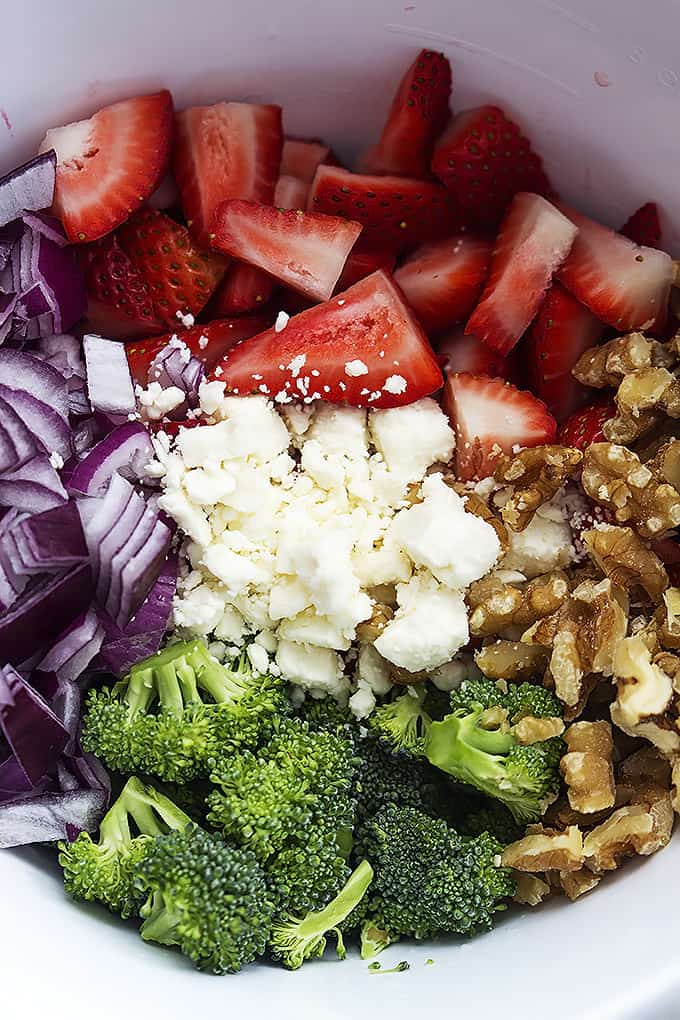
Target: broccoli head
[(206, 897), (385, 777), (472, 814), (177, 710), (403, 724), (475, 744), (327, 714), (103, 871), (430, 881), (296, 939)]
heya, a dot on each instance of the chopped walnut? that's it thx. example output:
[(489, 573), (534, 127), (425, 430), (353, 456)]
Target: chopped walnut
[(642, 399), (496, 605), (530, 890), (668, 629), (371, 629), (665, 464), (640, 828), (614, 477), (576, 883), (644, 768), (587, 766), (675, 778), (474, 504), (537, 474), (530, 729), (403, 678), (608, 364), (625, 559), (546, 850), (644, 694), (512, 660)]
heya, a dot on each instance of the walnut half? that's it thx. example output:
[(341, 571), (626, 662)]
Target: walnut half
[(625, 559), (614, 477), (587, 766), (546, 850), (609, 363), (644, 695), (512, 660), (537, 474)]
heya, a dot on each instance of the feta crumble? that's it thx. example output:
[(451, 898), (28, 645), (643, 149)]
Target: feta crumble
[(356, 368)]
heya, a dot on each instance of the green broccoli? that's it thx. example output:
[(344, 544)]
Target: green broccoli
[(473, 814), (385, 777), (374, 939), (327, 714), (403, 724), (430, 881), (476, 745), (206, 897), (178, 709), (103, 871), (296, 939)]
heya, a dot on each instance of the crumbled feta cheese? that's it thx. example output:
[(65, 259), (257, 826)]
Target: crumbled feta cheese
[(395, 384), (362, 702), (259, 659), (203, 342), (56, 460), (316, 669), (544, 545), (186, 319), (356, 368), (428, 628), (413, 437), (281, 322), (155, 402), (297, 364), (373, 670)]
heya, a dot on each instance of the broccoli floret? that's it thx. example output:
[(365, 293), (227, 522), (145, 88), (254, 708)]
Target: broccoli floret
[(177, 710), (327, 714), (374, 939), (430, 881), (473, 814), (385, 777), (206, 897), (403, 724), (103, 870), (191, 797), (308, 871), (295, 939), (476, 745)]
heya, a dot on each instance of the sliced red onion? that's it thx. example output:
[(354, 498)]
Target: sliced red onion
[(74, 650), (109, 383), (17, 444), (46, 609), (49, 542), (47, 226), (51, 816), (84, 436), (14, 782), (126, 450), (33, 732), (46, 424), (30, 186), (175, 365), (34, 487), (114, 542), (27, 372)]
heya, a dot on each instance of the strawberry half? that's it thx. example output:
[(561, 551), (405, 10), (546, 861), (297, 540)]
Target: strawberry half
[(300, 157), (230, 150), (559, 335), (362, 348), (290, 193), (418, 115), (533, 241), (442, 281), (457, 352), (180, 276), (244, 289), (396, 212), (490, 417), (362, 261), (119, 302), (625, 285), (109, 165), (644, 226), (585, 426), (306, 251), (208, 343), (484, 160)]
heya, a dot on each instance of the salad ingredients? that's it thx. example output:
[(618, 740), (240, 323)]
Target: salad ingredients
[(458, 351), (643, 226), (300, 157), (290, 193), (363, 346), (29, 187), (307, 251), (126, 450), (109, 165), (119, 304), (244, 289), (109, 385)]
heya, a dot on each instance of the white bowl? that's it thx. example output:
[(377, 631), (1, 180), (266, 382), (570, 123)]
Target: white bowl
[(333, 67)]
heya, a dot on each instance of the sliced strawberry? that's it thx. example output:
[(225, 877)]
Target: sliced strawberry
[(230, 150), (625, 285), (300, 158), (306, 251), (533, 241), (559, 335), (208, 343), (108, 166), (363, 348), (119, 302), (290, 193), (643, 226), (180, 276), (484, 161), (244, 289), (396, 212), (458, 352), (442, 281), (171, 428), (585, 426), (362, 261), (491, 417), (418, 115)]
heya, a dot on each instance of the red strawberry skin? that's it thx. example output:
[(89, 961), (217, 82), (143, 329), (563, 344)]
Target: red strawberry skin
[(230, 150), (363, 348), (585, 426), (119, 304), (623, 284), (244, 289), (395, 212), (533, 242), (490, 418), (644, 226), (442, 281), (306, 251), (418, 115), (561, 332), (362, 261), (484, 161), (109, 165), (458, 352)]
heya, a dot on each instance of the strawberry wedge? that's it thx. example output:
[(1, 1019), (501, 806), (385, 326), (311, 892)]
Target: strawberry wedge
[(109, 165), (362, 348), (418, 114), (306, 251), (490, 418), (244, 289), (560, 333), (624, 284), (230, 150), (442, 281), (533, 242), (396, 212), (457, 352), (119, 302), (290, 193), (362, 261), (300, 158)]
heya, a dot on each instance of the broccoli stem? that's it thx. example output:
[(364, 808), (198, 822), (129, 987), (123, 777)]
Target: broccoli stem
[(160, 922), (458, 741), (152, 813)]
